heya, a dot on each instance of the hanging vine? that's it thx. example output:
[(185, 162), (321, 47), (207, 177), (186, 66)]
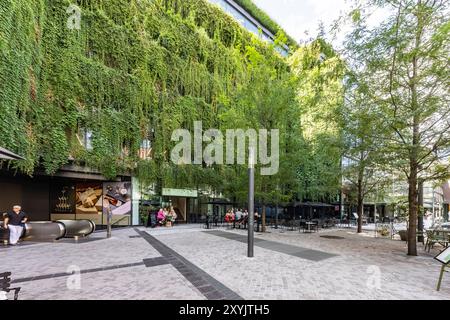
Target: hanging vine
[(133, 67)]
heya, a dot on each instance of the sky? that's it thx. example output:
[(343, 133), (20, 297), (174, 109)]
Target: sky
[(299, 16)]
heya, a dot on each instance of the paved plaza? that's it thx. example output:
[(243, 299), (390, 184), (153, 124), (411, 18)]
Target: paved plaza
[(188, 262)]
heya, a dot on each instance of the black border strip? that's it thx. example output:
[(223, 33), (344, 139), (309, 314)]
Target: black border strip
[(206, 284)]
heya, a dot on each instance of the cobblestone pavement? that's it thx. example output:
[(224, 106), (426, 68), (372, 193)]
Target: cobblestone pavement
[(364, 267), (110, 269), (131, 265)]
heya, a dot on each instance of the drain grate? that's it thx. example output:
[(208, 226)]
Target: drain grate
[(332, 237)]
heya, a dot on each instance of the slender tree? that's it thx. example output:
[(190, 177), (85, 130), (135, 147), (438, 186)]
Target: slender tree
[(405, 60), (363, 155)]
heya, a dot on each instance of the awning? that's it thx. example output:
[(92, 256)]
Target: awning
[(8, 155), (219, 202), (310, 204)]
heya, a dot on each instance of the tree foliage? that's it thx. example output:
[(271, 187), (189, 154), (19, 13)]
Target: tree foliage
[(138, 69), (404, 61), (319, 73)]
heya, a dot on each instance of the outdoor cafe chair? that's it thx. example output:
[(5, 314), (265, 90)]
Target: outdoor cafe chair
[(436, 237), (282, 225), (311, 226)]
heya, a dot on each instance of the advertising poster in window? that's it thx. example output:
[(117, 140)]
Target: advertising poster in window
[(62, 198), (117, 198), (88, 198)]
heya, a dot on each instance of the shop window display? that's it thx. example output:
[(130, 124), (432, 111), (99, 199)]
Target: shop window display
[(117, 200), (92, 201), (62, 198)]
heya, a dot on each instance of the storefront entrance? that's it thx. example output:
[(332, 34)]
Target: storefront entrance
[(183, 201), (46, 198)]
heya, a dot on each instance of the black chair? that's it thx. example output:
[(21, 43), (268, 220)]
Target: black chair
[(240, 224), (291, 225), (301, 224), (281, 225), (311, 226), (318, 222), (5, 284), (206, 223)]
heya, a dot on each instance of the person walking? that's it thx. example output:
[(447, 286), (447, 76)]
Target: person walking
[(15, 222), (149, 218), (237, 217), (233, 218), (153, 218), (257, 220), (245, 219)]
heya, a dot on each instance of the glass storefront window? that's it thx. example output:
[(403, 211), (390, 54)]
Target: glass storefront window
[(92, 201)]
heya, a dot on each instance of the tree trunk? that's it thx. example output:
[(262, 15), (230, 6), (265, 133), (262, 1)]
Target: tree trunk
[(412, 206), (420, 213), (263, 225), (360, 201), (276, 217), (360, 208), (412, 188), (414, 151)]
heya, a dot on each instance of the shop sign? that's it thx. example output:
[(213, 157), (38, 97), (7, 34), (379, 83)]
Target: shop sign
[(186, 193)]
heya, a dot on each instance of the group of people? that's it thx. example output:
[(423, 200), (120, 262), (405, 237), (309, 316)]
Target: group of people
[(14, 221), (239, 216), (162, 217)]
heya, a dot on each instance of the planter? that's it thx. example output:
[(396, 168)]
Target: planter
[(169, 224), (403, 235)]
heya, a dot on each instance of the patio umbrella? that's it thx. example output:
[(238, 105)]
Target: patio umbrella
[(8, 155)]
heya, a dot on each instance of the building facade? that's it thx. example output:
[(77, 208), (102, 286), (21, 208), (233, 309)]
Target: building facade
[(76, 191), (249, 22)]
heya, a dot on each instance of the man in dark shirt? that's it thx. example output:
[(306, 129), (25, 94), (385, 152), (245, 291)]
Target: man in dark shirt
[(15, 222)]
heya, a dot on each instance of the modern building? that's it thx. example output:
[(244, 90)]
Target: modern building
[(249, 22), (446, 203), (391, 202), (72, 193), (76, 191)]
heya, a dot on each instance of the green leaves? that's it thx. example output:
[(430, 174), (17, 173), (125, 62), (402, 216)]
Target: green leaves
[(355, 15), (135, 70)]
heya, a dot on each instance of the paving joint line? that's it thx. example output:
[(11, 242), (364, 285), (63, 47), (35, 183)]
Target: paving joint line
[(200, 279), (295, 251), (66, 274)]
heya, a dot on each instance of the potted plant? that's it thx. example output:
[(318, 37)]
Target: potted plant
[(144, 218), (384, 230)]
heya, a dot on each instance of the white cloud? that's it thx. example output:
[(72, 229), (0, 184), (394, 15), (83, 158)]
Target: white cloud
[(298, 16)]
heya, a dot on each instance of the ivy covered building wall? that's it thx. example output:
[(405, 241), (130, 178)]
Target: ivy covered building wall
[(101, 86), (131, 70)]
